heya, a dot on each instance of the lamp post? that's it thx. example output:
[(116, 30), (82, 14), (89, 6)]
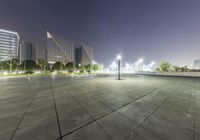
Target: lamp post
[(118, 59)]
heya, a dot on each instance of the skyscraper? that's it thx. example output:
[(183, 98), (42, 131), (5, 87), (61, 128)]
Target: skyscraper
[(59, 49), (84, 55), (196, 64), (9, 43), (27, 51)]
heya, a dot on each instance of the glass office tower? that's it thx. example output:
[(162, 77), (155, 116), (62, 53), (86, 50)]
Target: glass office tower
[(27, 51), (59, 49), (84, 55), (9, 43)]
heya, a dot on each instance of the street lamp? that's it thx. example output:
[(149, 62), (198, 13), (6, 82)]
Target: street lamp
[(118, 59)]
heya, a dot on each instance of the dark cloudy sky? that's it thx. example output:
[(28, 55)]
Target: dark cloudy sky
[(160, 30)]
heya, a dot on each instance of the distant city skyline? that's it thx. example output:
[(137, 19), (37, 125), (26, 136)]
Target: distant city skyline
[(154, 30)]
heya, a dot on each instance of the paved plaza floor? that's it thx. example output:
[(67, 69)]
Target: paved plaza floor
[(100, 108)]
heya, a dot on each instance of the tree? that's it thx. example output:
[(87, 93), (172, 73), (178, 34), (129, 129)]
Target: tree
[(184, 69), (176, 68), (29, 64), (58, 66), (15, 64), (89, 68), (69, 66), (164, 66), (40, 64), (96, 67), (5, 65)]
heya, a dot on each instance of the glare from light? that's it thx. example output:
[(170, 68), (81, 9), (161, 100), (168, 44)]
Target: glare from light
[(127, 65), (140, 60), (119, 57), (152, 64), (113, 64), (93, 62), (5, 73)]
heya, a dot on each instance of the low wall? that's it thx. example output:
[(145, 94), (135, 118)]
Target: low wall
[(184, 74)]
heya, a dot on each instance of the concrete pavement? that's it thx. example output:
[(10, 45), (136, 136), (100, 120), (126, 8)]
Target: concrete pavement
[(100, 108)]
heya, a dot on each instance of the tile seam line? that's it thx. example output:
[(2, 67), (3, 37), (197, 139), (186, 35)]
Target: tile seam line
[(94, 120), (154, 112), (55, 107), (72, 131), (26, 111)]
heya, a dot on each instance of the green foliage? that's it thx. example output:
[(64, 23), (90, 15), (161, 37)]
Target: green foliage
[(5, 65), (40, 64), (58, 66), (88, 67), (29, 64), (184, 69), (176, 68), (29, 72), (96, 67), (157, 69), (15, 64), (70, 71), (69, 66), (81, 71), (164, 66)]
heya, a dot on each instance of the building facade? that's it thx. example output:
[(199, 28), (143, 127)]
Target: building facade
[(9, 44), (196, 64), (59, 49), (27, 51), (84, 55)]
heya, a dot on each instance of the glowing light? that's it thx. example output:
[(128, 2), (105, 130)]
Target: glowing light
[(127, 65), (5, 73), (140, 60), (152, 64), (93, 62), (55, 72), (119, 57), (113, 64)]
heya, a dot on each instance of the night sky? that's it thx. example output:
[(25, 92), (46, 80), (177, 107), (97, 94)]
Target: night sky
[(159, 30)]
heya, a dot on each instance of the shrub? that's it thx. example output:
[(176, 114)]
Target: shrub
[(81, 71), (29, 72), (70, 71)]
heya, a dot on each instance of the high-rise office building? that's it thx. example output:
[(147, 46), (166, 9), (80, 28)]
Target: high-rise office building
[(59, 49), (9, 43), (196, 64), (27, 51), (84, 55)]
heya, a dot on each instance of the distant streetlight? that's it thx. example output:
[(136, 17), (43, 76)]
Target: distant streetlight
[(118, 59)]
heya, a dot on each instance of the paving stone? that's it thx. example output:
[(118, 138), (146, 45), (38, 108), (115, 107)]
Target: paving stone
[(181, 119), (117, 126), (167, 130), (9, 124), (89, 132), (133, 99), (39, 131), (142, 134), (97, 109), (38, 116), (73, 120), (6, 136), (136, 114), (116, 103)]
